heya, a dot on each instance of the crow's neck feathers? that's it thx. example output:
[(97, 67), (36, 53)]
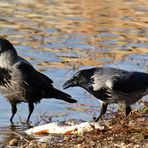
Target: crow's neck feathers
[(8, 58)]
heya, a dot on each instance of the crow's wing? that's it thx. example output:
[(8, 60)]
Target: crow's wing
[(130, 82), (31, 77)]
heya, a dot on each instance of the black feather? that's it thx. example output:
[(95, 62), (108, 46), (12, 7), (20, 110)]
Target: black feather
[(5, 76), (131, 82)]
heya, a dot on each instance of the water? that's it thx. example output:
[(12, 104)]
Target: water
[(60, 37)]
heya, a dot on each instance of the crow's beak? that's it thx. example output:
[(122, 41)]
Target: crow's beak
[(69, 83)]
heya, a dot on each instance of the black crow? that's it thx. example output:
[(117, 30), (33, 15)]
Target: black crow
[(20, 82), (111, 85)]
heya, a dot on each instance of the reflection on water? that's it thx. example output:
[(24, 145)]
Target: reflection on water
[(61, 36)]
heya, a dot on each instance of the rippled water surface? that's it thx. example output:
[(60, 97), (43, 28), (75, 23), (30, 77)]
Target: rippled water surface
[(61, 36)]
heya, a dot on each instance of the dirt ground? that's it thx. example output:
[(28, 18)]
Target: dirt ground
[(118, 133)]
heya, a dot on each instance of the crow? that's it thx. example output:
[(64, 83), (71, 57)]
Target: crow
[(21, 82), (111, 85)]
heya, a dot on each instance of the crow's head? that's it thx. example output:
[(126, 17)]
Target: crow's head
[(74, 81), (8, 54), (6, 46), (81, 78)]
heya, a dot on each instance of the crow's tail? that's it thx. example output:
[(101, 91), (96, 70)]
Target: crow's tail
[(57, 94)]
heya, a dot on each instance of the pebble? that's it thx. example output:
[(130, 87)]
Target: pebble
[(13, 142)]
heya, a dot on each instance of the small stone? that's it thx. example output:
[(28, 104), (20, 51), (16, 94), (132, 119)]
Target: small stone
[(78, 146), (43, 145), (13, 142)]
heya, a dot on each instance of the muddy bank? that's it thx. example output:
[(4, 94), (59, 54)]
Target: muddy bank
[(118, 132)]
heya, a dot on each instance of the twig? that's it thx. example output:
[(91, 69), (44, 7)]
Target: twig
[(45, 119), (23, 123), (20, 136)]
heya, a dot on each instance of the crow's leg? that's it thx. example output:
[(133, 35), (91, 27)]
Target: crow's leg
[(14, 110), (127, 110), (31, 108), (102, 112)]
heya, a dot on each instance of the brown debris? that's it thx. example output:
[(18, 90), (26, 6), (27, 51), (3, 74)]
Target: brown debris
[(118, 132)]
